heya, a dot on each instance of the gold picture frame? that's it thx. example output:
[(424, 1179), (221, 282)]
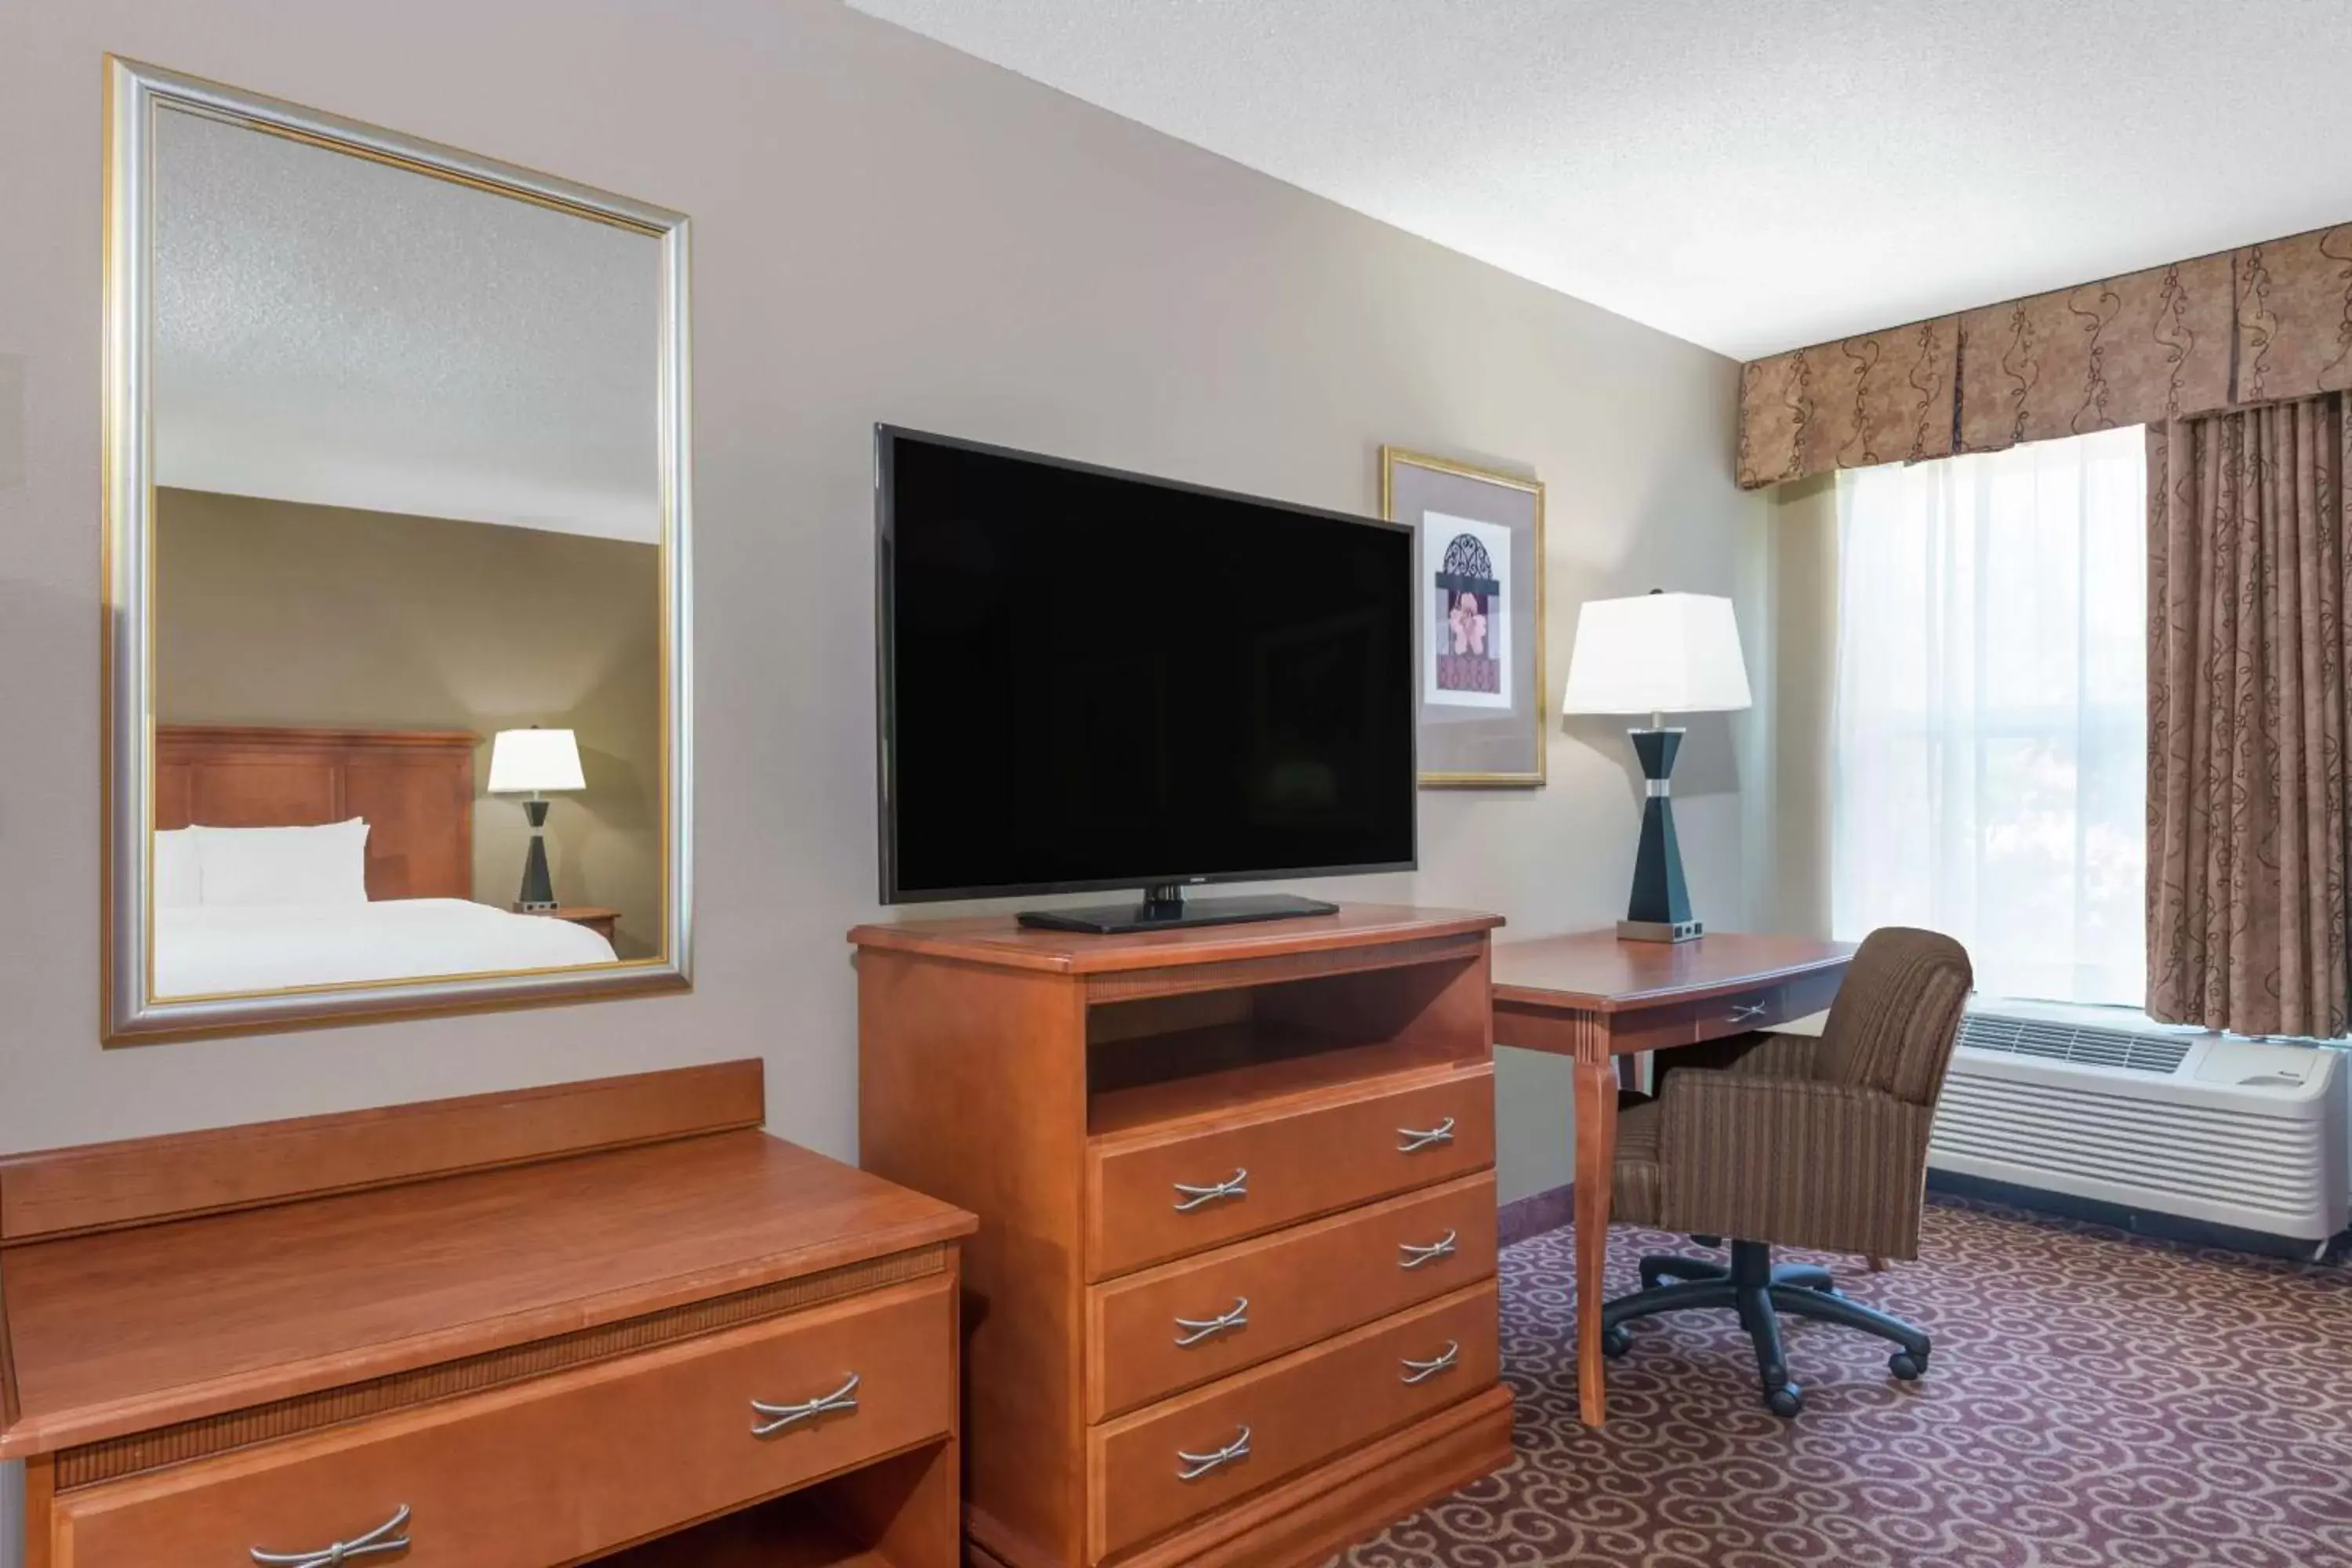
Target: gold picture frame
[(1477, 742)]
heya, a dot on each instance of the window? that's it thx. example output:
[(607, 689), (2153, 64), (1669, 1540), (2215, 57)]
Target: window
[(1988, 752)]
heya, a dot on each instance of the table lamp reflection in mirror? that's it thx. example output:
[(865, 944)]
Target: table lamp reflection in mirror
[(533, 762), (1657, 653)]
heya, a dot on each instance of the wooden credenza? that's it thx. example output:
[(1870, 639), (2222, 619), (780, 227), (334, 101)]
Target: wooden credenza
[(607, 1321), (1232, 1299)]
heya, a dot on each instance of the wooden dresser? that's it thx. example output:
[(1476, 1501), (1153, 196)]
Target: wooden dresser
[(1233, 1300), (508, 1331)]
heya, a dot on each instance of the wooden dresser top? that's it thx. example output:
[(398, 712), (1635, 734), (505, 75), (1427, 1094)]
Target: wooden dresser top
[(130, 1328), (1000, 940)]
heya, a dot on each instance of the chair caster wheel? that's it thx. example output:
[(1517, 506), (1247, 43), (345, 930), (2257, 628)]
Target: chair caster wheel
[(1615, 1342), (1905, 1366), (1787, 1401)]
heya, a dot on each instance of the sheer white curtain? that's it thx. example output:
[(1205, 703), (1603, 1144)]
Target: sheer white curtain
[(1988, 752)]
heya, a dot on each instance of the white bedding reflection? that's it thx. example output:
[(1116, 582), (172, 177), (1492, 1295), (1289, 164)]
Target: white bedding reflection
[(206, 951)]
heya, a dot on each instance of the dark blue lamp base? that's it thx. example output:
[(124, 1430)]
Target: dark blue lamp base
[(1660, 908), (538, 890)]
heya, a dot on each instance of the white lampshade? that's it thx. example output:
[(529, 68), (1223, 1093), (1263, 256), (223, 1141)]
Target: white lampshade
[(1657, 653), (530, 761)]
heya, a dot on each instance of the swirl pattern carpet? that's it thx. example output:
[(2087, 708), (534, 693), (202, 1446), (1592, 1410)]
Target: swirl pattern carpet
[(2096, 1400)]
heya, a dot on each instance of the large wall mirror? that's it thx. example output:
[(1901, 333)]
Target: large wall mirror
[(398, 574)]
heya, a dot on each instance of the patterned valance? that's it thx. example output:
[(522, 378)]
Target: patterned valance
[(2294, 316), (1874, 399), (2268, 321)]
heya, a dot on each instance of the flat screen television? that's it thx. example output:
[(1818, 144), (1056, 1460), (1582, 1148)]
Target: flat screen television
[(1092, 680)]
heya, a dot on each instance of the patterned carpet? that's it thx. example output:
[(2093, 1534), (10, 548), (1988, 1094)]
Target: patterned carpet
[(2096, 1401)]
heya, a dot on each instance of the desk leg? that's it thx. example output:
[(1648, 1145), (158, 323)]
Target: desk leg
[(40, 1509), (1596, 1159)]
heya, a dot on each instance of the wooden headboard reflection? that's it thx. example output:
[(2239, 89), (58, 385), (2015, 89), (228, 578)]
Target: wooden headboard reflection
[(415, 787)]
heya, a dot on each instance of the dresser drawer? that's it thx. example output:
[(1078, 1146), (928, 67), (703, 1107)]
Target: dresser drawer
[(555, 1470), (1184, 1323), (1157, 1194), (1177, 1460)]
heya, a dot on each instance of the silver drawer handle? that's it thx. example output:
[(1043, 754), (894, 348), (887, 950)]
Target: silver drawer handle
[(1422, 1371), (1414, 1257), (384, 1536), (780, 1416), (1741, 1014), (1192, 1466), (1421, 1137), (1199, 1329), (1191, 1197)]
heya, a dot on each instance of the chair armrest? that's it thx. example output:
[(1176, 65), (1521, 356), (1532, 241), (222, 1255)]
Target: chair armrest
[(1794, 1162)]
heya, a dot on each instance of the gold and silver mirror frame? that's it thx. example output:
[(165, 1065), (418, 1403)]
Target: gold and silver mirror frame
[(132, 1012)]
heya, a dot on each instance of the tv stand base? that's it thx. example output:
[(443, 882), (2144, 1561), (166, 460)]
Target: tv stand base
[(1163, 909)]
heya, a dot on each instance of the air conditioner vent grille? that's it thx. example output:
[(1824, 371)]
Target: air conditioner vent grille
[(2157, 1055), (2032, 1107)]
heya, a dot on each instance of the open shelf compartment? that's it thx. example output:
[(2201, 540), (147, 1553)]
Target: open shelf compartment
[(1153, 1062), (898, 1513)]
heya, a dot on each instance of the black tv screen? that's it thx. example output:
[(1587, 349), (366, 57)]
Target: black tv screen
[(1095, 679)]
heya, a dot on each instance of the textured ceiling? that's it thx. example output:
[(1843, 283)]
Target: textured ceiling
[(1750, 174), (336, 331)]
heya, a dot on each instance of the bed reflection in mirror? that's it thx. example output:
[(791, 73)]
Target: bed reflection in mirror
[(406, 568)]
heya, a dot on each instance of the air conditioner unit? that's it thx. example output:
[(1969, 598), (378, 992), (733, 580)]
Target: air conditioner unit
[(2103, 1104)]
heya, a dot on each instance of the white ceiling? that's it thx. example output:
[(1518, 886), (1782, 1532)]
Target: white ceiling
[(336, 331), (1750, 174)]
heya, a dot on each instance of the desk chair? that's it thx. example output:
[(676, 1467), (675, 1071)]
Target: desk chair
[(1776, 1140)]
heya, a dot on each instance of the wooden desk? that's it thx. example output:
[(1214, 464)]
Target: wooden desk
[(521, 1328), (1595, 998)]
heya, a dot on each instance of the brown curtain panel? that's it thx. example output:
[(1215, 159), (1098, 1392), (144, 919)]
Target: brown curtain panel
[(2250, 658)]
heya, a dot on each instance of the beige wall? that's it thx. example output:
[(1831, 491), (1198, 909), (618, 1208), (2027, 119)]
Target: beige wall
[(270, 612), (883, 230), (1790, 857)]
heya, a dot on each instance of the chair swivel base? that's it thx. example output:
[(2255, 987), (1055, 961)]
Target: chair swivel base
[(1759, 1292)]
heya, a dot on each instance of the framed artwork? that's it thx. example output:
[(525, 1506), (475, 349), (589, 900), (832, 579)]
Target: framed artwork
[(1478, 554)]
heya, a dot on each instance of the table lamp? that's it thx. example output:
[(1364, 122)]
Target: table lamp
[(1657, 653), (532, 761)]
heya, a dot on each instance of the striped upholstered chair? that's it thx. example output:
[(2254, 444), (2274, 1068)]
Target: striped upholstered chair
[(1777, 1139)]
